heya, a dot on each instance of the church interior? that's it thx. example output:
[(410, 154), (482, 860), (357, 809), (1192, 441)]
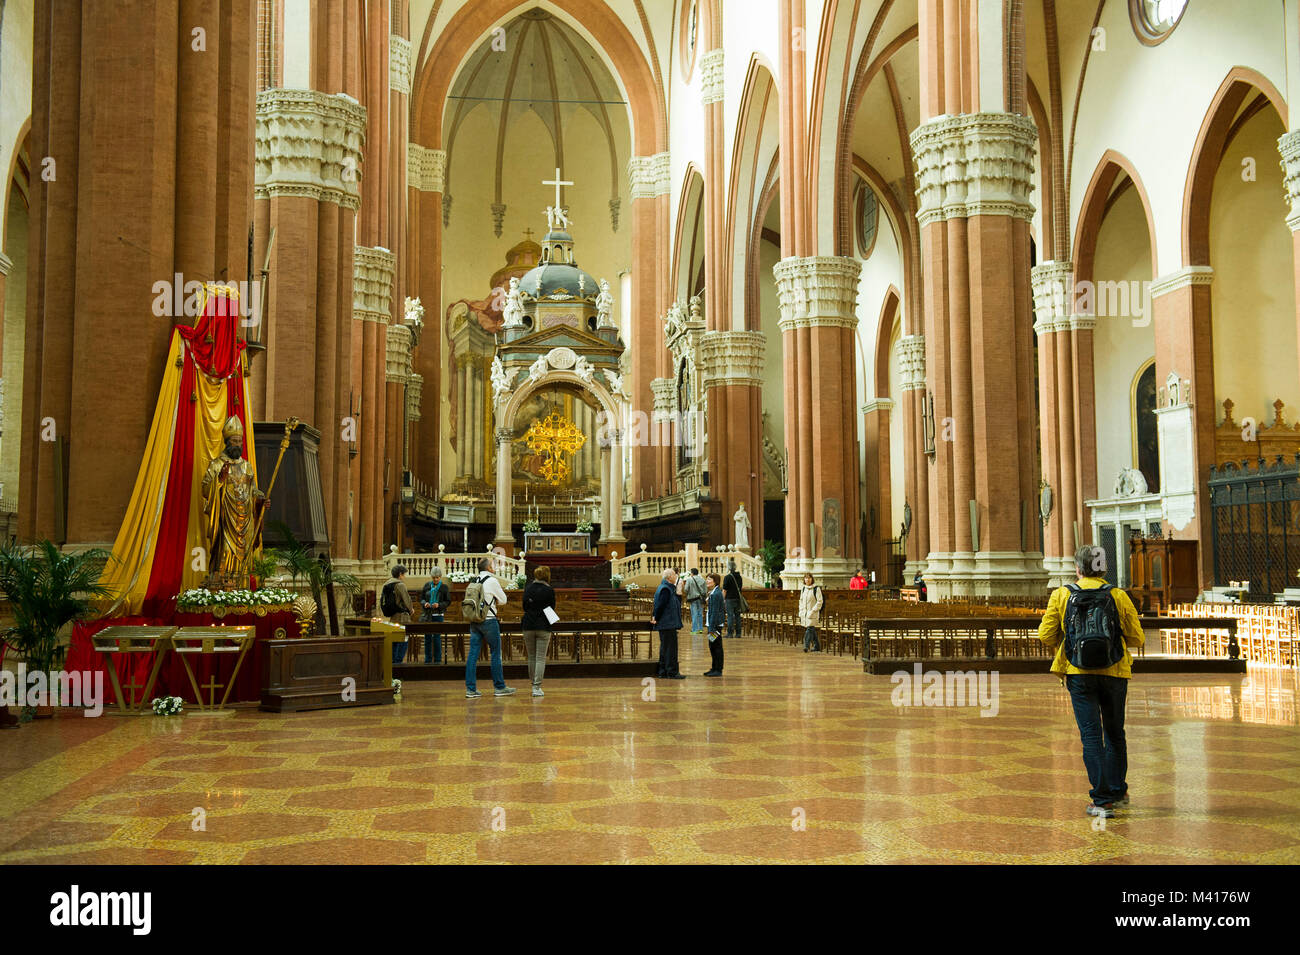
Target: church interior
[(337, 337)]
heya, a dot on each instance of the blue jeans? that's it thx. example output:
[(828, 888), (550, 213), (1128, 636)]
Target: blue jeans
[(697, 615), (1099, 710), (432, 641), (733, 617), (399, 651), (489, 630)]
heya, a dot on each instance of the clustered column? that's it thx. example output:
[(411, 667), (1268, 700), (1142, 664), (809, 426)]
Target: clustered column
[(817, 297), (127, 113), (731, 364), (650, 185), (974, 177)]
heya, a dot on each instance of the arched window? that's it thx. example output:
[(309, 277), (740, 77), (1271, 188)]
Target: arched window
[(866, 213), (1146, 447)]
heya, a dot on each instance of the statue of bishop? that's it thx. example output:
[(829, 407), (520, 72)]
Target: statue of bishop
[(232, 503)]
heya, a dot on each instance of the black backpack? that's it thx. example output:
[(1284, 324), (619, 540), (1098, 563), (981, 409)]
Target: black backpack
[(1093, 637), (388, 599)]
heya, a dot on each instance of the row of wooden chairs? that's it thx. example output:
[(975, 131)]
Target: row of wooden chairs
[(1266, 633)]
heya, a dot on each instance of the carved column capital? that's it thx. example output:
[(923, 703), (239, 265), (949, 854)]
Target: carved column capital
[(974, 164), (732, 358), (308, 144), (818, 290), (1053, 284), (649, 176), (1288, 145), (911, 362), (399, 64), (712, 77), (425, 168), (372, 284)]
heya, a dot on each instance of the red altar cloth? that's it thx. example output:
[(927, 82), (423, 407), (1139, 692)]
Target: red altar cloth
[(172, 681)]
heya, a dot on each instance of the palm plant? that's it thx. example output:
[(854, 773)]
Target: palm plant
[(772, 554), (47, 590), (301, 564)]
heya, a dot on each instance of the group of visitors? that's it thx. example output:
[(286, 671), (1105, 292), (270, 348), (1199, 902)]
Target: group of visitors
[(483, 597), (715, 602), (1090, 625)]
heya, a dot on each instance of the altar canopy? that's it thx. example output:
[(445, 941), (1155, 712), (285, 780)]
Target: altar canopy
[(160, 549)]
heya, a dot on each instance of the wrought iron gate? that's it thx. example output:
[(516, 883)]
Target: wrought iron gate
[(1255, 524)]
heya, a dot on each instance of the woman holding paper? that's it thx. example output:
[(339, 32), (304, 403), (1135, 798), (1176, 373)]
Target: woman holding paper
[(539, 616)]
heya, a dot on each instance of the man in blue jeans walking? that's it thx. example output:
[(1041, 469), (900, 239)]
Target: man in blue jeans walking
[(490, 630), (1098, 695)]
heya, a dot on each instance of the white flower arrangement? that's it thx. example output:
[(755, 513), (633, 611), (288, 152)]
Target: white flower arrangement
[(532, 525), (167, 705), (521, 581), (632, 586), (584, 526), (461, 576), (200, 598), (397, 686), (616, 580)]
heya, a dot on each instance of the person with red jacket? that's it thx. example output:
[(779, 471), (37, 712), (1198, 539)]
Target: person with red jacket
[(859, 581)]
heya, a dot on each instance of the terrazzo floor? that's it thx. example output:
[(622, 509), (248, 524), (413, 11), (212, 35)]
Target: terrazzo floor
[(790, 757)]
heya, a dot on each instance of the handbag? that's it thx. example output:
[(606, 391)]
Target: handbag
[(740, 596)]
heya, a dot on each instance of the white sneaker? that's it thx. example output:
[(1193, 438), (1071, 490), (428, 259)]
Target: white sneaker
[(537, 691), (506, 691)]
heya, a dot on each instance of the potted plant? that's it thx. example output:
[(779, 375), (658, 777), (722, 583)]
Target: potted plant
[(532, 526), (616, 581), (300, 562), (583, 526), (772, 554), (48, 590)]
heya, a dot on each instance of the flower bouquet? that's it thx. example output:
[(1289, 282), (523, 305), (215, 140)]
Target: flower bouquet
[(167, 705), (532, 525)]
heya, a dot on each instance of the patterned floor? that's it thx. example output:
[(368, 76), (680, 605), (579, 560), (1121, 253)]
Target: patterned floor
[(788, 758)]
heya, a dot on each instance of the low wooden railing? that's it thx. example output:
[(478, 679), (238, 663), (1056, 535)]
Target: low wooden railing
[(576, 641)]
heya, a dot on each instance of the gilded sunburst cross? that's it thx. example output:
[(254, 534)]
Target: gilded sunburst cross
[(555, 437)]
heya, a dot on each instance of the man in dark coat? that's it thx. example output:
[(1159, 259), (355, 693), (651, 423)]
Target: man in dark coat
[(666, 617)]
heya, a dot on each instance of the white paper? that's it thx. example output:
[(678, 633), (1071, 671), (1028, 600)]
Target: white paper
[(551, 616)]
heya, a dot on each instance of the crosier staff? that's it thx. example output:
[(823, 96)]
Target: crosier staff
[(289, 427)]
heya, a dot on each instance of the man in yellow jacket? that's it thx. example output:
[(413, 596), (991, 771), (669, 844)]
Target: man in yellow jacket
[(1098, 695)]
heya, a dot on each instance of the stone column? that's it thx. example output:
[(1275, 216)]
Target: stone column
[(399, 344), (650, 186), (1289, 147), (818, 298), (308, 161), (879, 497), (372, 290), (505, 538), (606, 492), (974, 177), (425, 171), (916, 464), (1053, 284), (731, 371), (615, 496), (127, 174)]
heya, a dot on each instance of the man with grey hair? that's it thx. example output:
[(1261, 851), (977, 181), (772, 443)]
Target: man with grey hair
[(666, 617), (1091, 626)]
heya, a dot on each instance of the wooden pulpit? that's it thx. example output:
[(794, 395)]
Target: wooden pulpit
[(1162, 572)]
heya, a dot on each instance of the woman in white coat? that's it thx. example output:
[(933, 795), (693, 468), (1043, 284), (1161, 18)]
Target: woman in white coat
[(811, 601)]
